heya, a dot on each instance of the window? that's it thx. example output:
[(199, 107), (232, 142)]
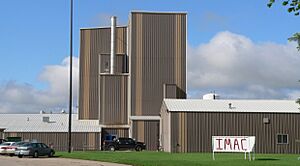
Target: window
[(34, 145), (122, 141), (106, 67), (130, 141), (39, 145), (44, 146), (282, 139)]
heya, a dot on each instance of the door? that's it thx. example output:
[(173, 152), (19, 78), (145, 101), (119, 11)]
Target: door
[(46, 150), (126, 143)]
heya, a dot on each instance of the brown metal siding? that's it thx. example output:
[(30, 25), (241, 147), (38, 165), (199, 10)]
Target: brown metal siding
[(120, 132), (172, 91), (178, 132), (148, 132), (193, 131), (84, 75), (158, 56), (80, 141), (93, 43), (113, 99)]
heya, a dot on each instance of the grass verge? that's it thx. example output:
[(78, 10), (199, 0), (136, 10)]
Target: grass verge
[(146, 158)]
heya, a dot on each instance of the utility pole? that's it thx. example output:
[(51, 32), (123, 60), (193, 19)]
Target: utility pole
[(70, 93)]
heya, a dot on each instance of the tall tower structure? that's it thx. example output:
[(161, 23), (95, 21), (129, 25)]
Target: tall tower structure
[(150, 64), (157, 47)]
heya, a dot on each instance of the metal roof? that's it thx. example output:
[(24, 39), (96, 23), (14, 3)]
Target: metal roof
[(144, 117), (103, 27), (158, 12), (56, 123), (263, 106)]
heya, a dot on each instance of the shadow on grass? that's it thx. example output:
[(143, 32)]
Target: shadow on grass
[(266, 159)]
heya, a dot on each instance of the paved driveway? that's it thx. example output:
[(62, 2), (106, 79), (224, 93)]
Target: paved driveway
[(43, 161)]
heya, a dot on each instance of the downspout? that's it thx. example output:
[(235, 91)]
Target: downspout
[(113, 45)]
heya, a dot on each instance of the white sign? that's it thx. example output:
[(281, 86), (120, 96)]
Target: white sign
[(233, 144)]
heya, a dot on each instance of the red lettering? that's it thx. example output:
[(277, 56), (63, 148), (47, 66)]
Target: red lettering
[(227, 142), (219, 144), (242, 144), (236, 143)]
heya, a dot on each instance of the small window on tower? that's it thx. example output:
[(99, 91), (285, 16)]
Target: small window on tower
[(282, 139), (106, 67)]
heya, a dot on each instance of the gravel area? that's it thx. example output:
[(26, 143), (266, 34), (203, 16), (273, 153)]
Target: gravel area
[(55, 161)]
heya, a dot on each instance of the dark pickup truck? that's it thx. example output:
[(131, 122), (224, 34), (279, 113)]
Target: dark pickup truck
[(123, 144)]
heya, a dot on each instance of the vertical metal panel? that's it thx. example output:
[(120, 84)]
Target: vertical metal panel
[(199, 127), (120, 132), (174, 132), (95, 42), (158, 56), (113, 99), (80, 141), (84, 74), (170, 91), (148, 132), (179, 133), (165, 129)]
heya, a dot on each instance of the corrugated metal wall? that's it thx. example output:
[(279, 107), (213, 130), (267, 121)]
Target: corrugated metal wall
[(113, 99), (158, 56), (80, 141), (120, 132), (147, 132), (192, 132), (172, 91), (94, 43)]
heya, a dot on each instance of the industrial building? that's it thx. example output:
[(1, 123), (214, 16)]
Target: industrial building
[(125, 71), (133, 84), (51, 129), (188, 125)]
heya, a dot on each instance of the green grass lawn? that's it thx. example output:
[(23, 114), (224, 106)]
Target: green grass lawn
[(184, 159)]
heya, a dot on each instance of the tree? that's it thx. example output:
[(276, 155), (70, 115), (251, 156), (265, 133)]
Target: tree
[(296, 38), (293, 7), (298, 101)]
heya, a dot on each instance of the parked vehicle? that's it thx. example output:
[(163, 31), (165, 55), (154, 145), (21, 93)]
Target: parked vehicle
[(12, 148), (5, 146), (2, 140), (34, 149), (124, 144)]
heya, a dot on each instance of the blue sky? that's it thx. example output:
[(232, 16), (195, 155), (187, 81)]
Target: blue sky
[(34, 39)]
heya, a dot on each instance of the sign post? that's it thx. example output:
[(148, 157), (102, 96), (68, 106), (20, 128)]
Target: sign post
[(241, 144)]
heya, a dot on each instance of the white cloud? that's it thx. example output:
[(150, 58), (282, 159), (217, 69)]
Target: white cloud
[(24, 98), (231, 64), (238, 68)]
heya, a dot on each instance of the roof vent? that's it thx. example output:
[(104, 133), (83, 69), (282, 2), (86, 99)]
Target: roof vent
[(266, 120), (211, 96), (63, 111), (230, 106), (46, 119), (42, 112)]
